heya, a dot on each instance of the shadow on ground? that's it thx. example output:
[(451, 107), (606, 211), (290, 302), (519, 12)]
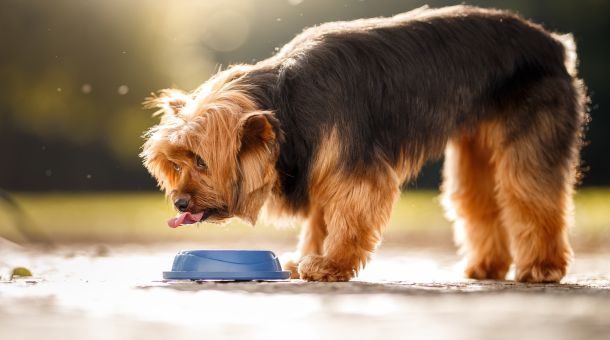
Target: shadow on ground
[(598, 287)]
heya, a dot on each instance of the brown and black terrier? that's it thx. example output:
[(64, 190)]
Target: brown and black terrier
[(329, 128)]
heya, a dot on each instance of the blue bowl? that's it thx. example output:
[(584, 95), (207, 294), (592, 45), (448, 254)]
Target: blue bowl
[(231, 265)]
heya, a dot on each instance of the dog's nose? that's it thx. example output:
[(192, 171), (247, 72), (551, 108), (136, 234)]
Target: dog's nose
[(181, 204)]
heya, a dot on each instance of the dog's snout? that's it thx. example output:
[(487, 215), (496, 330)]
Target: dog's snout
[(181, 204)]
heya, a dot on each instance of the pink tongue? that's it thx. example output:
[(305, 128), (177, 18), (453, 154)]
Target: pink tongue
[(184, 218)]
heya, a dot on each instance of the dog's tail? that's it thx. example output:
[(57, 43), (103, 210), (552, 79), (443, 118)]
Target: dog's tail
[(569, 47)]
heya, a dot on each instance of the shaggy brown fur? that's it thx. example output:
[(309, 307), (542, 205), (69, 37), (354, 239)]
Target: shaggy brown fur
[(328, 129)]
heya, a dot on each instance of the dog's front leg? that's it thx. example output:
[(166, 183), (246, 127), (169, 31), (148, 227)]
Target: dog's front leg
[(354, 218), (311, 241)]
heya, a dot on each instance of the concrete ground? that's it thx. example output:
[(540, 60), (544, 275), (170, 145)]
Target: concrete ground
[(102, 292)]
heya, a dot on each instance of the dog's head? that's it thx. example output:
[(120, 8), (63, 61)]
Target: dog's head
[(213, 152)]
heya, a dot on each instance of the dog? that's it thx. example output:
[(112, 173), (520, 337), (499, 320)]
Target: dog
[(329, 128)]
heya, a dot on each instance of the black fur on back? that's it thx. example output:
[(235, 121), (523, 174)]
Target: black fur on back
[(403, 86)]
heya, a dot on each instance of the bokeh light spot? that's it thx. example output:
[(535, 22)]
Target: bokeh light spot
[(227, 31), (123, 90), (86, 88)]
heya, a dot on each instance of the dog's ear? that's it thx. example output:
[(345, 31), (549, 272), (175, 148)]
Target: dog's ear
[(258, 136), (168, 102), (257, 129)]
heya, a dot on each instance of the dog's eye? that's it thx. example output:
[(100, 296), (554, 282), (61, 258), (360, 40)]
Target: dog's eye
[(200, 163), (176, 167)]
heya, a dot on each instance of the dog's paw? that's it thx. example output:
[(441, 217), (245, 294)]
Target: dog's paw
[(293, 267), (487, 270), (320, 268), (541, 273)]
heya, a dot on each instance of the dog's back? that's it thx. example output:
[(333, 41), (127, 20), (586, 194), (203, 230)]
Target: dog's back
[(396, 89)]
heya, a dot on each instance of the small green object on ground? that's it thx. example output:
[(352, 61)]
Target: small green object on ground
[(20, 272)]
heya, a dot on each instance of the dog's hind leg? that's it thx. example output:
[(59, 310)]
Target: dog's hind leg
[(355, 210), (536, 205), (469, 200), (536, 200), (537, 168)]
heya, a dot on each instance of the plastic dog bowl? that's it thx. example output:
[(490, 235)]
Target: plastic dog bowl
[(234, 265)]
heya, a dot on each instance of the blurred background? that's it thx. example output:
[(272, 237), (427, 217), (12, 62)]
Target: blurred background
[(74, 74)]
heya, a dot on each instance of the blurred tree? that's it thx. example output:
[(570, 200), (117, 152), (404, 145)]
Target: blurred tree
[(75, 72)]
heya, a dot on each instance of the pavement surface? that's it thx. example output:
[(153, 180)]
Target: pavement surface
[(116, 292)]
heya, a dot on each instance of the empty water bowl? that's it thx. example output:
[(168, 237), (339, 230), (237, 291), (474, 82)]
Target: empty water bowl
[(233, 265)]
